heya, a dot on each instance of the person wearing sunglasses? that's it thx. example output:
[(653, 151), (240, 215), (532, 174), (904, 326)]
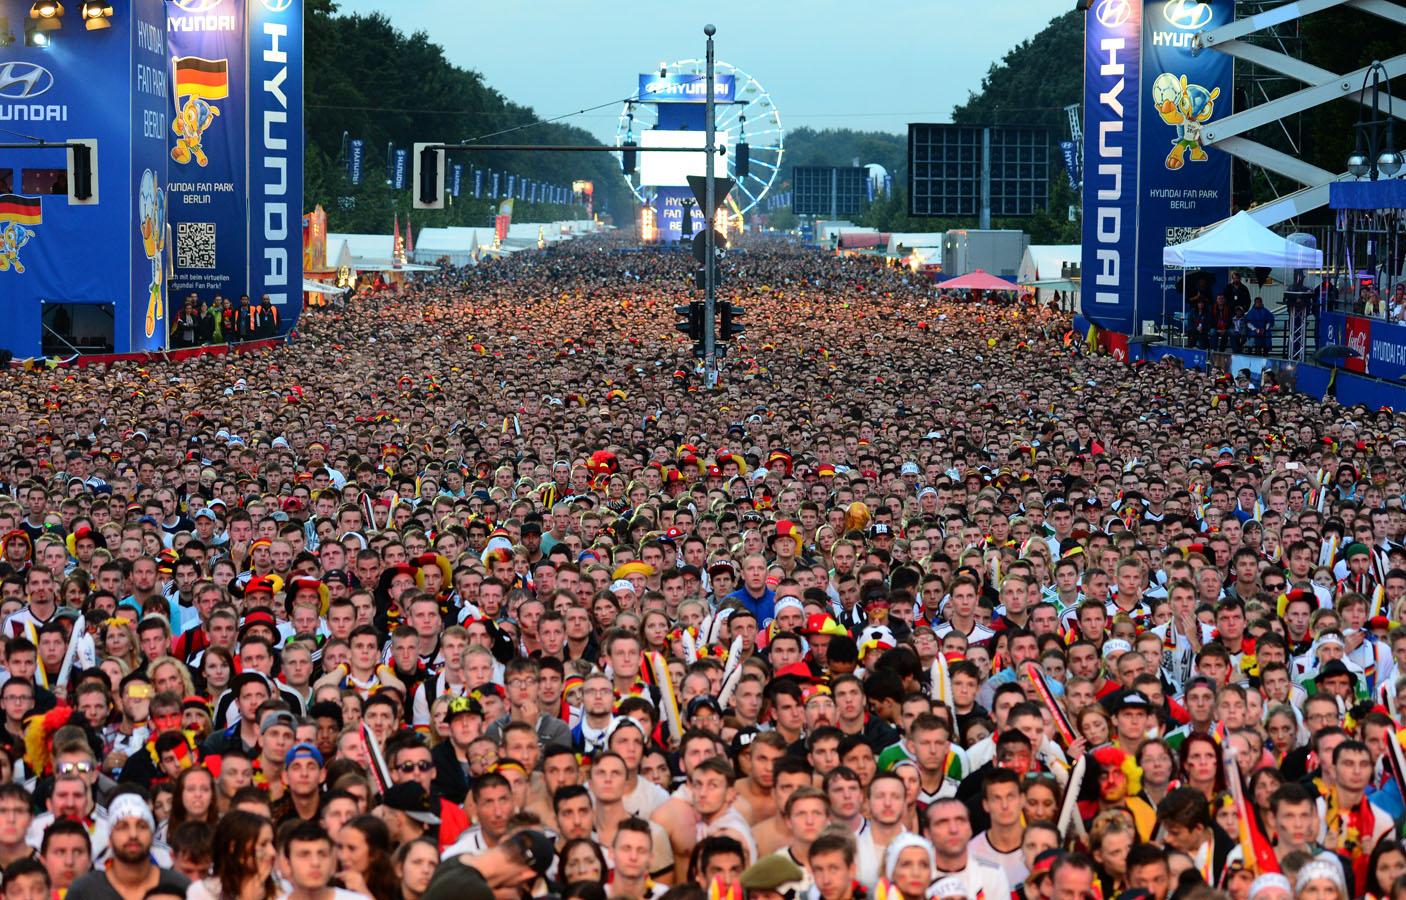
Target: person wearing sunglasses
[(409, 760)]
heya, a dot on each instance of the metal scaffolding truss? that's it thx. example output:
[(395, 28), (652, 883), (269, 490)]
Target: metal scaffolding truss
[(1262, 39)]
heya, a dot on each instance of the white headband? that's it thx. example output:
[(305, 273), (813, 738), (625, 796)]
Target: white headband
[(902, 842), (130, 806)]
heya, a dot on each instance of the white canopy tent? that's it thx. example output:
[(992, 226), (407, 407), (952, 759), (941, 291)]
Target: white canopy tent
[(1042, 267), (1238, 241)]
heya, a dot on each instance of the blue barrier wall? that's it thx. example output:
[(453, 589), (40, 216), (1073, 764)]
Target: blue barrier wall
[(1349, 388)]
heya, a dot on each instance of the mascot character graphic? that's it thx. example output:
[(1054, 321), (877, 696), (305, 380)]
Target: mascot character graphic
[(15, 213), (199, 81), (151, 220), (1187, 108), (193, 119)]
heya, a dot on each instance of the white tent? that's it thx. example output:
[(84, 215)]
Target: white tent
[(1240, 241), (455, 243), (368, 253), (901, 241), (1042, 267)]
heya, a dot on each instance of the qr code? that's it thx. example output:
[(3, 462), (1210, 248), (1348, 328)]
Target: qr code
[(195, 245), (1176, 236)]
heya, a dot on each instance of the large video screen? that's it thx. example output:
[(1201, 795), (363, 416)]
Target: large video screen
[(673, 169)]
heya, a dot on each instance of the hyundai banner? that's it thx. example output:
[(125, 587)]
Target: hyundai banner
[(357, 159), (1112, 43), (398, 169), (478, 183), (205, 182), (1071, 163), (1147, 179), (276, 155), (685, 88), (1182, 186), (458, 180)]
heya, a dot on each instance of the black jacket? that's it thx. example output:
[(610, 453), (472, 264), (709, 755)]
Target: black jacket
[(450, 782)]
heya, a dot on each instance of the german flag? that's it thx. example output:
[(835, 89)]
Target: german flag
[(206, 78), (21, 210)]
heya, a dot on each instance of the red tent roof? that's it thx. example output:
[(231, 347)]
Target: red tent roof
[(978, 281), (858, 240)]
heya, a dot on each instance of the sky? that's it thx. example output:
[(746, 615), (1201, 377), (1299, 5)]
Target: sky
[(867, 66)]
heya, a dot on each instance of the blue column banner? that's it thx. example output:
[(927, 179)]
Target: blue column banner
[(522, 189), (357, 159), (148, 224), (534, 191), (511, 181), (402, 163), (478, 182), (458, 180), (1182, 186), (888, 185), (493, 195), (869, 188), (275, 155), (1112, 40), (1071, 163), (206, 180)]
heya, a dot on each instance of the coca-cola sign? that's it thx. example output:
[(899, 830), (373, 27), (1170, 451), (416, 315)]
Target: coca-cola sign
[(1357, 334)]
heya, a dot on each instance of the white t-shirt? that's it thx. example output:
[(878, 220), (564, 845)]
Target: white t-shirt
[(1012, 863), (644, 799), (984, 880)]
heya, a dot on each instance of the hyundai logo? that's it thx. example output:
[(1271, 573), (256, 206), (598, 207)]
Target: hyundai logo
[(197, 6), (1112, 13), (19, 80), (1187, 15), (277, 5)]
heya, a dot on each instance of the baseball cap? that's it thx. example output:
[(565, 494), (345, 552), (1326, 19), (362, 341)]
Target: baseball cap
[(278, 717), (303, 750), (538, 850), (410, 798), (464, 706)]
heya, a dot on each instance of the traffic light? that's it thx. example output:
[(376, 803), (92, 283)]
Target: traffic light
[(82, 171), (742, 161), (428, 177), (731, 325), (700, 276), (692, 324), (627, 158)]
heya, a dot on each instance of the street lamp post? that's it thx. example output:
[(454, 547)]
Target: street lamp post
[(1376, 153)]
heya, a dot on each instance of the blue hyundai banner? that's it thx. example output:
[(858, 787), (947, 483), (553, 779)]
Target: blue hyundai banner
[(509, 187), (1112, 42), (493, 195), (150, 296), (357, 160), (276, 155), (1071, 163), (1182, 186), (205, 184), (399, 169), (456, 183), (478, 182), (685, 88)]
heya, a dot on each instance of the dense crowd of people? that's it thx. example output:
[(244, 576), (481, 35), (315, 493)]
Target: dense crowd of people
[(475, 591)]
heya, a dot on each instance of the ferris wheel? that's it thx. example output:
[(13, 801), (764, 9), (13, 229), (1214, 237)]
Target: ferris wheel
[(751, 117)]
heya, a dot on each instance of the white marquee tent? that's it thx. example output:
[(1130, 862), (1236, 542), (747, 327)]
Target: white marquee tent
[(1240, 241)]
